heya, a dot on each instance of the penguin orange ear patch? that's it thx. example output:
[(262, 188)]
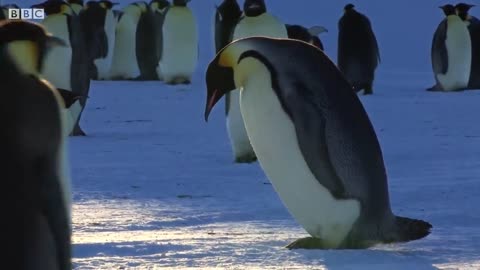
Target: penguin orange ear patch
[(226, 59)]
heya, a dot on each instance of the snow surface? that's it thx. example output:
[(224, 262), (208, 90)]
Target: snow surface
[(155, 188)]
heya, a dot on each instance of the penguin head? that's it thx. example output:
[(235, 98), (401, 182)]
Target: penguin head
[(462, 9), (448, 9), (180, 3), (159, 6), (27, 44), (55, 7), (253, 8), (349, 7), (229, 10), (232, 66)]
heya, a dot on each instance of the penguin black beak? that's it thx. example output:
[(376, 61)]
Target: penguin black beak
[(53, 41), (219, 81)]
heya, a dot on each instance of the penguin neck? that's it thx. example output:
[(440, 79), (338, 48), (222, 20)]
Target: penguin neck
[(25, 55)]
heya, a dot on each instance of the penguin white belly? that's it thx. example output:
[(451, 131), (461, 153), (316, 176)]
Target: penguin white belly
[(263, 25), (104, 64), (71, 116), (124, 63), (459, 48), (274, 140), (57, 66), (180, 45)]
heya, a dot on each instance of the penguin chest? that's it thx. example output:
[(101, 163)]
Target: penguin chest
[(180, 43), (125, 63), (57, 66), (458, 45), (263, 25), (273, 137)]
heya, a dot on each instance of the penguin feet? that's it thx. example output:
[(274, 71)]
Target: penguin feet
[(77, 131), (178, 80), (307, 243), (434, 88), (247, 158)]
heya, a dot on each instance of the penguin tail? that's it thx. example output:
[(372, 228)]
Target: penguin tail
[(408, 229)]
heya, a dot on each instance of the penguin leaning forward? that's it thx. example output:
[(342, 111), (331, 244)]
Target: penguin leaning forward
[(32, 139), (257, 21), (180, 44), (313, 140), (68, 67), (358, 53), (451, 53), (473, 25)]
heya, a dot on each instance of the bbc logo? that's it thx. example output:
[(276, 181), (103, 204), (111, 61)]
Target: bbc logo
[(26, 14)]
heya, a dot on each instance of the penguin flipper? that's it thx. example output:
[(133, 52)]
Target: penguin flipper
[(439, 49)]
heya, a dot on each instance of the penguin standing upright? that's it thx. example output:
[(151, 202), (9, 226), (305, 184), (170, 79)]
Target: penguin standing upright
[(32, 140), (314, 141), (125, 65), (473, 25), (146, 47), (227, 16), (69, 67), (76, 5), (159, 9), (309, 35), (179, 44), (451, 53), (358, 53), (255, 22), (101, 23)]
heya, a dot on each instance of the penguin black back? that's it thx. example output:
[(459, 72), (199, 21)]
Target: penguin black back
[(358, 52), (302, 33), (462, 10), (31, 137), (227, 16)]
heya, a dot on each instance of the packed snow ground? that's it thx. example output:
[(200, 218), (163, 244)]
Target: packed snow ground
[(155, 188)]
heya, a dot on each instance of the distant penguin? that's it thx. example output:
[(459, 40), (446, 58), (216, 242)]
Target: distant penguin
[(227, 16), (76, 5), (180, 44), (69, 67), (313, 140), (473, 24), (101, 22), (125, 65), (358, 53), (159, 9), (309, 35), (256, 22), (451, 53), (31, 137), (146, 47)]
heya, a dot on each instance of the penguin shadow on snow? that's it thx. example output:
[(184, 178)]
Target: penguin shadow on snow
[(374, 259)]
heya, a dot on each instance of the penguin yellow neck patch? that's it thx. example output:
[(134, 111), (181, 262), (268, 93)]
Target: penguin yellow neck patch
[(226, 59), (25, 55)]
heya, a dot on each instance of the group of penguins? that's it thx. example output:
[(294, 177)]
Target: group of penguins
[(303, 122)]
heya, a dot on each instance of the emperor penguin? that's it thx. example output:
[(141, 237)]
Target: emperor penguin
[(313, 140), (159, 9), (101, 22), (227, 15), (473, 25), (146, 47), (180, 44), (76, 5), (67, 67), (125, 65), (32, 139), (255, 22), (451, 53), (358, 53), (309, 35)]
